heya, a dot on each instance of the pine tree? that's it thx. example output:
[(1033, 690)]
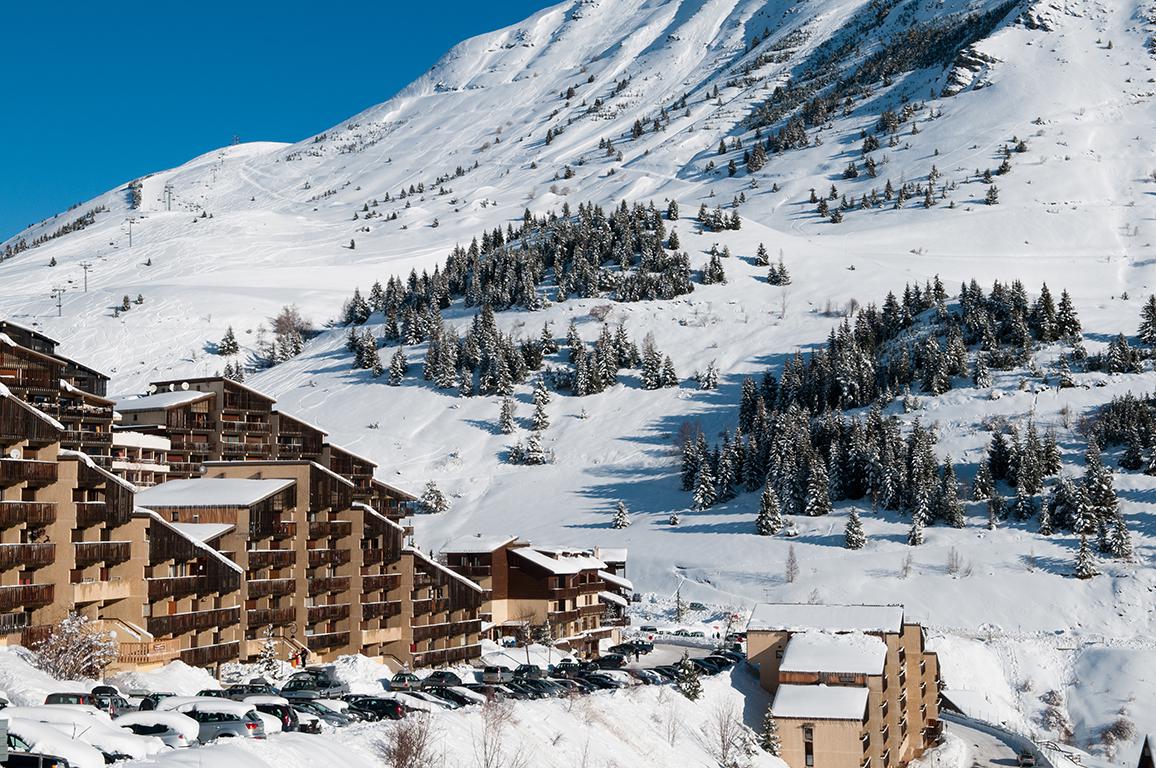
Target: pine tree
[(1147, 332), (1119, 540), (433, 501), (704, 487), (984, 485), (762, 258), (375, 367), (770, 519), (621, 516), (1085, 563), (791, 573), (982, 376), (687, 678), (818, 493), (228, 346), (951, 509), (1024, 507), (994, 510), (769, 739), (506, 417), (397, 367), (853, 536), (267, 663), (540, 419), (918, 521)]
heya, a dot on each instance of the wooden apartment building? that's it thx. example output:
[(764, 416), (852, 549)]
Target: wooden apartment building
[(854, 685)]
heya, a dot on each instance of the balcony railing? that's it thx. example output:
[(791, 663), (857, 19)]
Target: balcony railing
[(10, 623), (271, 587), (372, 556), (320, 557), (284, 529), (107, 552), (89, 513), (32, 555), (444, 656), (31, 513), (36, 474), (328, 584), (322, 613), (277, 617), (207, 655), (150, 652), (177, 586), (324, 529), (271, 558), (386, 581), (27, 596), (382, 610), (195, 621), (327, 640)]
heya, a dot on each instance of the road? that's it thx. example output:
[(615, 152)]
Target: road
[(666, 653), (983, 749)]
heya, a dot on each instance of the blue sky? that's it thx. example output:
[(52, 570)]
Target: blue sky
[(96, 94)]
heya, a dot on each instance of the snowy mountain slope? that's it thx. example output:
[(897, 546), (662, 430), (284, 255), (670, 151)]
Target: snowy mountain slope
[(257, 226)]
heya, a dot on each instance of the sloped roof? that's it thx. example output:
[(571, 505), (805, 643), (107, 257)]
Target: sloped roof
[(557, 563), (429, 560), (160, 400), (617, 581), (478, 544), (211, 492), (820, 702), (204, 532), (849, 653), (610, 597)]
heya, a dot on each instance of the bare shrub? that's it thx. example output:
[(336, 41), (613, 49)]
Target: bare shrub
[(490, 748), (601, 312), (75, 648), (954, 562), (726, 739), (905, 566), (409, 744)]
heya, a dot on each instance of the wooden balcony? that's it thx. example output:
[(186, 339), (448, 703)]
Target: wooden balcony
[(207, 655), (149, 652), (327, 640), (382, 581), (31, 555), (441, 657), (277, 617), (372, 556), (328, 584), (27, 596), (324, 529), (36, 474), (284, 529), (34, 514), (177, 586), (271, 558), (271, 587), (33, 635), (178, 624), (11, 623), (107, 552), (90, 513), (320, 557), (425, 632), (319, 614), (383, 610)]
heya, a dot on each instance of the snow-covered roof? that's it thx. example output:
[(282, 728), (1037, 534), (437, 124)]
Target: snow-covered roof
[(156, 518), (130, 439), (610, 597), (478, 544), (560, 562), (820, 702), (5, 392), (611, 554), (211, 492), (423, 556), (204, 531), (81, 456), (617, 581), (849, 653), (300, 421), (255, 465), (160, 400), (371, 511), (799, 617)]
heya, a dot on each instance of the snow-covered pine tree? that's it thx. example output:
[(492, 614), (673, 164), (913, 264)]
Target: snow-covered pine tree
[(674, 518), (918, 520), (621, 516), (1147, 332), (1085, 567), (769, 739), (770, 519), (708, 379), (1024, 507), (687, 678), (791, 572), (397, 367), (762, 258), (540, 420), (983, 486), (506, 416), (818, 492), (669, 377), (1119, 540), (982, 376), (228, 346), (995, 510), (853, 535), (433, 501), (267, 663), (950, 507), (704, 487)]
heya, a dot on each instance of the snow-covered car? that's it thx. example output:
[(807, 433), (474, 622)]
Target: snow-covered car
[(218, 718), (173, 728), (330, 717), (44, 739), (497, 675), (272, 723), (279, 707), (91, 726)]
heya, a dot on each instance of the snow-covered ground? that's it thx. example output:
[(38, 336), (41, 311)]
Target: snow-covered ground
[(257, 226)]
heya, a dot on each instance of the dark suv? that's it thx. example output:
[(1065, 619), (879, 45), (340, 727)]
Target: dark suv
[(322, 681), (441, 679), (385, 709)]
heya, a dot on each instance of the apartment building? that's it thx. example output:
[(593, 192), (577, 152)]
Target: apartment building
[(141, 458), (442, 607), (565, 595), (853, 685), (70, 392)]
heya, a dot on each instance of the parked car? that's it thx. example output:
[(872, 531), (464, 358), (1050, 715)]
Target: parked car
[(706, 667), (528, 672), (404, 681), (611, 661), (343, 707), (648, 629), (91, 726), (440, 678), (722, 662), (277, 706), (173, 728), (604, 681), (17, 759), (70, 698), (325, 714), (217, 717), (1026, 759), (30, 736), (642, 646), (385, 709), (447, 694), (150, 700), (213, 693), (323, 680), (242, 691), (734, 656), (567, 669), (497, 675)]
